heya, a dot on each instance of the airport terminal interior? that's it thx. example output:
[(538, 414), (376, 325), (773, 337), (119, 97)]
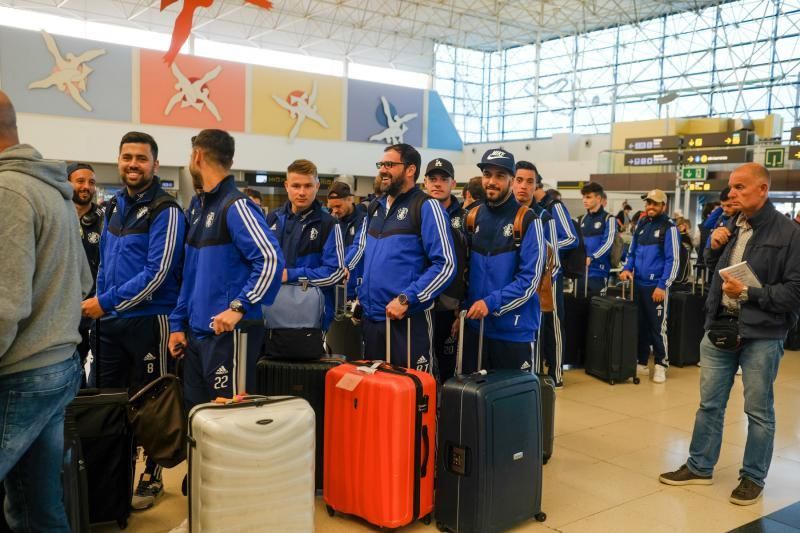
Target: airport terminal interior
[(632, 95)]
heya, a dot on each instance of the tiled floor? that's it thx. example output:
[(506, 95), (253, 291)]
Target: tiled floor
[(611, 444)]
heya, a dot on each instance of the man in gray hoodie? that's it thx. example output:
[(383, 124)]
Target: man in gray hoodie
[(44, 278)]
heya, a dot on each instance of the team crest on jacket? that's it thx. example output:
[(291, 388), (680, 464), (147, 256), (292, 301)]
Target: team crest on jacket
[(209, 219), (402, 213), (657, 233), (352, 230), (456, 222), (141, 212), (508, 230), (313, 234), (597, 224), (93, 237)]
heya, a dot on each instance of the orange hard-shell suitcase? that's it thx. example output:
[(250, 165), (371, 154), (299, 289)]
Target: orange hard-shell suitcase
[(380, 435)]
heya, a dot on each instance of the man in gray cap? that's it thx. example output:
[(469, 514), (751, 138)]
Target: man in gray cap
[(652, 263)]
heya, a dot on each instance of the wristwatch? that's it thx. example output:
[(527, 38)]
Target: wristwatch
[(237, 306), (402, 298), (743, 296)]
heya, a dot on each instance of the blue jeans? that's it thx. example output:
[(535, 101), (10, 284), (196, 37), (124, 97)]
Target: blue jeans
[(32, 444), (759, 360)]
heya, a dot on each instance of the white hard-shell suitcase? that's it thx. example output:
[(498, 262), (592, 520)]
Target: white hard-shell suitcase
[(251, 466)]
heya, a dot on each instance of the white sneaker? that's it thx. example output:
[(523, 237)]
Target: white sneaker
[(739, 371), (659, 374), (643, 370)]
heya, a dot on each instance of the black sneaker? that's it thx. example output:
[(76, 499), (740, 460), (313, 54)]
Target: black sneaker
[(684, 476), (747, 493)]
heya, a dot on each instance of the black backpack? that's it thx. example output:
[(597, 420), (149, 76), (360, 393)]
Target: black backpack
[(573, 261)]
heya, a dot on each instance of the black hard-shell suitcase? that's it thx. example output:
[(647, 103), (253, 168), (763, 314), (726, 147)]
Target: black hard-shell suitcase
[(548, 387), (303, 379), (685, 323), (611, 340), (489, 466), (576, 320), (101, 417), (343, 336)]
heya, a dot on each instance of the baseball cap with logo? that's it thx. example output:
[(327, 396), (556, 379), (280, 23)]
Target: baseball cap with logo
[(440, 165), (339, 189), (497, 157), (656, 195)]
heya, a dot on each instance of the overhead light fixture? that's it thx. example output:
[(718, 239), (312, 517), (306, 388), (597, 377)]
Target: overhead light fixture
[(667, 98)]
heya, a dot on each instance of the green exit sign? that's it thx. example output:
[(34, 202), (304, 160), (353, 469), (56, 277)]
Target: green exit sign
[(774, 157), (693, 174)]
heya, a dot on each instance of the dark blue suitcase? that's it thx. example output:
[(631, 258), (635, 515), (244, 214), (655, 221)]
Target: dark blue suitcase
[(489, 475)]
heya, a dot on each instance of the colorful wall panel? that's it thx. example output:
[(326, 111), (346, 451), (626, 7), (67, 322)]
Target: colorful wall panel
[(195, 92), (384, 113), (296, 104), (442, 134), (55, 75)]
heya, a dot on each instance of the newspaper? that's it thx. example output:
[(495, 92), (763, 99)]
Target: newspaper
[(743, 273)]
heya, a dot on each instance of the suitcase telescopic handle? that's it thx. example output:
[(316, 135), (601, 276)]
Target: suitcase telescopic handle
[(241, 354), (586, 283), (462, 315), (389, 342)]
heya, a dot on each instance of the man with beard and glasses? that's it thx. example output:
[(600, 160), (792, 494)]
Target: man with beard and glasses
[(408, 261), (141, 251), (230, 253), (507, 256), (82, 178)]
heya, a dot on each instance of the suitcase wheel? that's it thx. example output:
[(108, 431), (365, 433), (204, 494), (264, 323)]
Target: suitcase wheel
[(426, 520), (611, 381), (441, 527), (545, 458), (636, 381), (122, 523), (330, 510), (540, 517)]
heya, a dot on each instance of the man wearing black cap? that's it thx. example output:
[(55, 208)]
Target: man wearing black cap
[(350, 217), (506, 261), (439, 184), (82, 178)]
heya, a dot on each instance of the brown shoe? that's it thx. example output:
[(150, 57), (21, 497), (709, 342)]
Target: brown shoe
[(684, 476), (747, 493)]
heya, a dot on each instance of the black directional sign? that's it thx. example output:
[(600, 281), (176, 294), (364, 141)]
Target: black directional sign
[(795, 135), (710, 157), (650, 159), (666, 142), (794, 153), (704, 140)]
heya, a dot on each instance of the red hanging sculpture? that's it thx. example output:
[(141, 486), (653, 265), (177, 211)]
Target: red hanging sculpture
[(183, 23)]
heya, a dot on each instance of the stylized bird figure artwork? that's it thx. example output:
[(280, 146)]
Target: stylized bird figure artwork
[(183, 23)]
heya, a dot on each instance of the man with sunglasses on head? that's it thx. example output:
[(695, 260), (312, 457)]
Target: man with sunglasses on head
[(652, 264), (408, 261)]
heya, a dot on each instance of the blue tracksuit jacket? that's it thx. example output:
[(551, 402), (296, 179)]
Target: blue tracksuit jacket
[(407, 250), (351, 227), (141, 254), (654, 256), (313, 249), (599, 230), (230, 255), (567, 236), (503, 276)]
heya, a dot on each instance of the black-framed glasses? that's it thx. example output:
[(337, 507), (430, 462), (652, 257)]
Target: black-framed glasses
[(388, 164)]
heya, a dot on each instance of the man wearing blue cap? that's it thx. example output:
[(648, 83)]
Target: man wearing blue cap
[(506, 261)]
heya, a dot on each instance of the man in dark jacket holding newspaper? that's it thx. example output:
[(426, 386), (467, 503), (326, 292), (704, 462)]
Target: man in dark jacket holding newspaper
[(747, 318)]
